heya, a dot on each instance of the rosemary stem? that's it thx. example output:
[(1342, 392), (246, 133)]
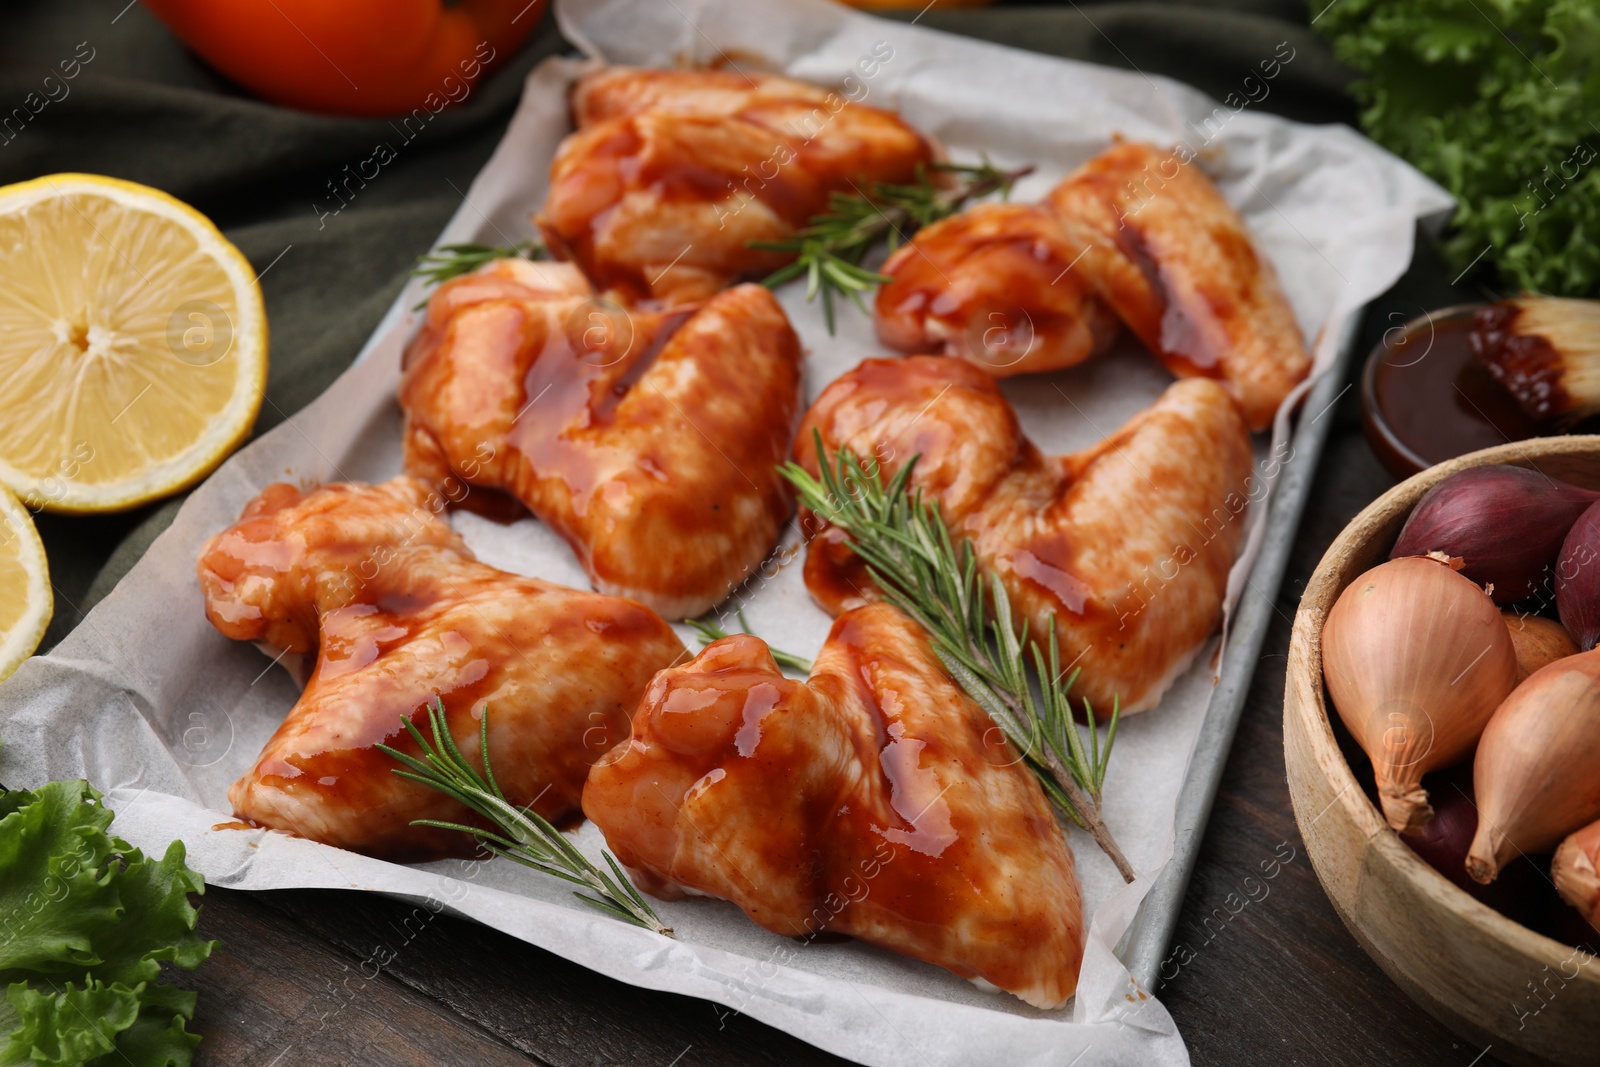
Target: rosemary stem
[(896, 218), (912, 558), (1089, 814), (1085, 806), (829, 252), (516, 833), (984, 186)]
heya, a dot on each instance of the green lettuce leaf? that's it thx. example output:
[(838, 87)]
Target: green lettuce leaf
[(54, 878), (69, 1027), (90, 922), (1492, 99), (154, 896), (155, 1039)]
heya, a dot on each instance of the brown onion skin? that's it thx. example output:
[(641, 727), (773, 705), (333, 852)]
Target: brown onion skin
[(1507, 524), (1522, 893), (1539, 641), (1576, 872), (1416, 659), (1578, 579), (1535, 768)]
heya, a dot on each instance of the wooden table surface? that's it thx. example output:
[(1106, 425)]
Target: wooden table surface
[(297, 976)]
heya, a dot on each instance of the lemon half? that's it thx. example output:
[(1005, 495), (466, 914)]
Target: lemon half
[(133, 343), (25, 601)]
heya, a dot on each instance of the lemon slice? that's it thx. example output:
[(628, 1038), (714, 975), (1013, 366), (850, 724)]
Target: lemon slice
[(25, 601), (133, 343)]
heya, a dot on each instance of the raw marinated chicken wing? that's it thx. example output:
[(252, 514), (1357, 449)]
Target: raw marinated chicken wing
[(1187, 278), (671, 174), (997, 285), (398, 612), (1126, 545), (1018, 287), (649, 440), (874, 800)]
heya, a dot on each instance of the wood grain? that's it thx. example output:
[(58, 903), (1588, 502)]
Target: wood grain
[(318, 976), (272, 996)]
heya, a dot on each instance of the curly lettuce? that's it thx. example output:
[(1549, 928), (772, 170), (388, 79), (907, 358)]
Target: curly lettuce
[(88, 920), (1498, 101)]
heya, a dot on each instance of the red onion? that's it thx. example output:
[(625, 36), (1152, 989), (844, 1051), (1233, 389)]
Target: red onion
[(1444, 841), (1506, 524), (1578, 580)]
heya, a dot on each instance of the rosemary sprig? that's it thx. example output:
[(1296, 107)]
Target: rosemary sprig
[(710, 631), (519, 834), (830, 250), (452, 261), (907, 548)]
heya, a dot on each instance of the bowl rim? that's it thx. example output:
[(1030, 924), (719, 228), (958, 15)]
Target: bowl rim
[(1378, 420), (1306, 638)]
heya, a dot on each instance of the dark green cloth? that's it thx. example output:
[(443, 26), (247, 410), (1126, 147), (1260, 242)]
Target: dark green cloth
[(145, 110)]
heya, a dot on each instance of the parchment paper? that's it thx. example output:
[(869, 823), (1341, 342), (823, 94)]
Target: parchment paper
[(153, 706)]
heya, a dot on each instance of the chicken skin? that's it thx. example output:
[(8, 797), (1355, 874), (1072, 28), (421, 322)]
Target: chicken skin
[(648, 440), (1135, 236), (397, 612), (671, 174), (874, 800), (1187, 278), (995, 285), (1126, 546)]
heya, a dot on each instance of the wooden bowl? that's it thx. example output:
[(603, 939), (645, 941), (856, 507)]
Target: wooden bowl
[(1470, 967)]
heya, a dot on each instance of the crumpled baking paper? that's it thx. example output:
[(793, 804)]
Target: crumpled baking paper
[(150, 704)]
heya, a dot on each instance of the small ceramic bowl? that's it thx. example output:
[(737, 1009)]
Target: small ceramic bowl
[(1486, 977), (1425, 399)]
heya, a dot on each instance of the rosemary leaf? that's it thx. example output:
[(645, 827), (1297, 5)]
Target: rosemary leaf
[(830, 250), (911, 557), (518, 834), (710, 631), (452, 261)]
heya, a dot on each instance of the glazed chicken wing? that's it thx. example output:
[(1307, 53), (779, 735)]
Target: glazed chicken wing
[(398, 612), (996, 285), (1018, 287), (1186, 277), (1127, 545), (649, 440), (874, 800), (671, 174)]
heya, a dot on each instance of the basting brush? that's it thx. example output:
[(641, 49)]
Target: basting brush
[(1545, 351)]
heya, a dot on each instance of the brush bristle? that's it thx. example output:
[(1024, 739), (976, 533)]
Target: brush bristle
[(1545, 351)]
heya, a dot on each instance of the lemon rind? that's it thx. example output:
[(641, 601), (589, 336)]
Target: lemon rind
[(17, 644)]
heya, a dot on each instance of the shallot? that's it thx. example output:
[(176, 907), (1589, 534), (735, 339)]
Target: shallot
[(1539, 642), (1506, 524), (1575, 875), (1416, 658), (1535, 768), (1578, 579)]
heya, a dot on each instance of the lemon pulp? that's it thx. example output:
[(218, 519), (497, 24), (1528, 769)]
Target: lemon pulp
[(132, 343)]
